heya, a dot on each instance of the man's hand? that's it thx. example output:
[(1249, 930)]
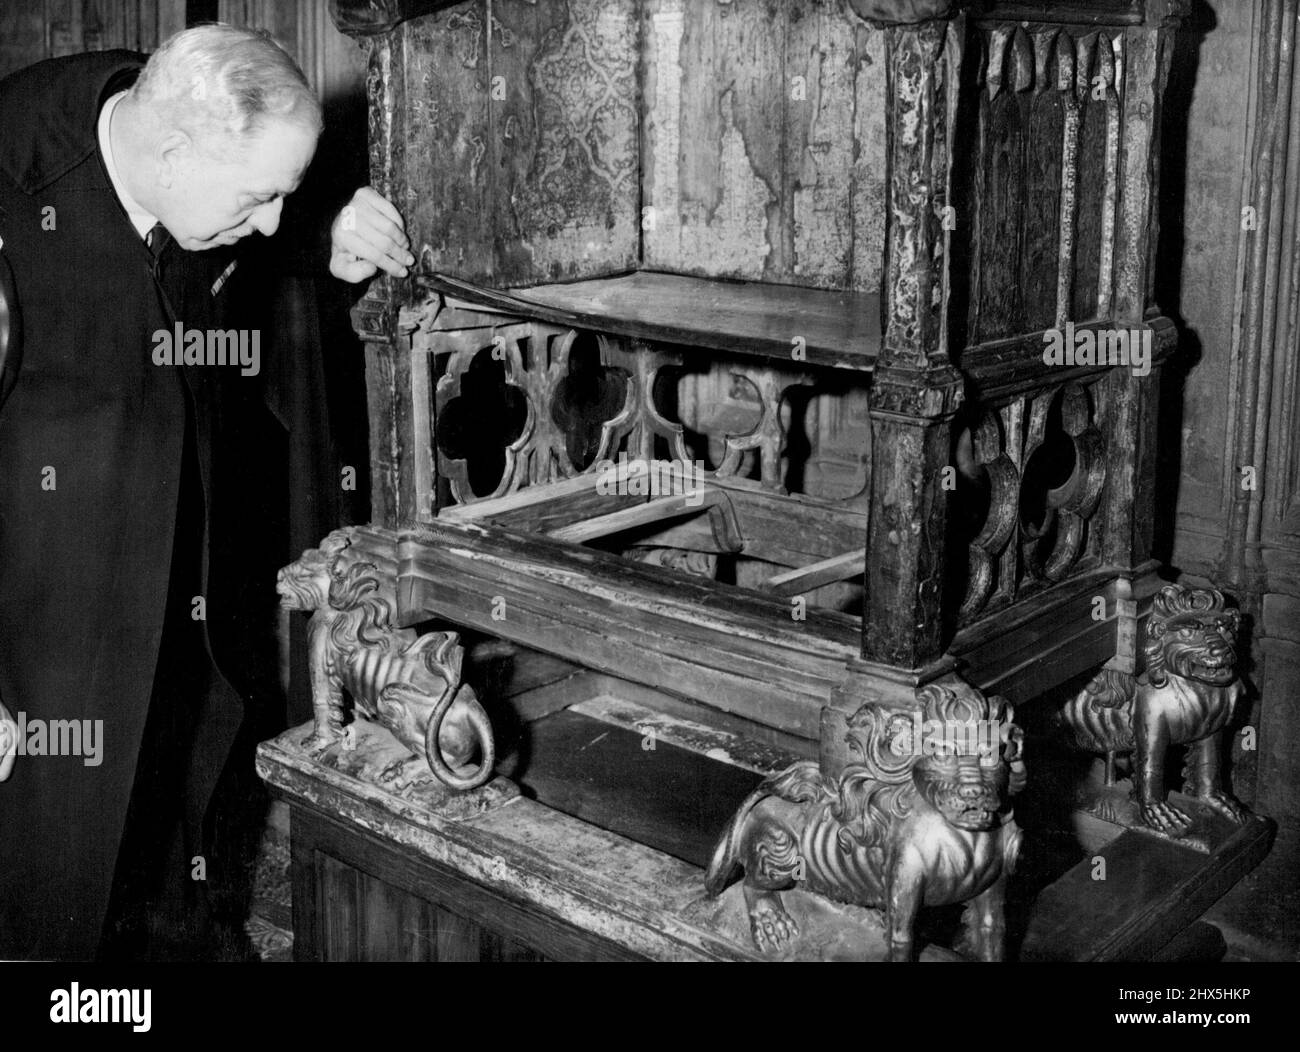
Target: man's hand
[(8, 742), (367, 236)]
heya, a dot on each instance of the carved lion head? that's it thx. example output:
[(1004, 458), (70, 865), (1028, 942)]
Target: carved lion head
[(1191, 634), (305, 583), (961, 752), (335, 576)]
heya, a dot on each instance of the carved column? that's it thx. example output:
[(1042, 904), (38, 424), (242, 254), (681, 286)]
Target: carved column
[(1260, 561), (1265, 307), (379, 318), (915, 389), (1134, 400)]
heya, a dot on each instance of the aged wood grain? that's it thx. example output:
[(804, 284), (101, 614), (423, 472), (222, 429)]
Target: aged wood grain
[(539, 157), (1041, 244), (794, 325), (787, 530), (915, 391), (564, 139), (443, 100), (524, 139), (715, 88), (668, 798), (544, 508), (1001, 202), (904, 619), (1153, 889), (870, 167), (737, 650), (784, 175), (712, 505), (1093, 130), (814, 575), (407, 907), (820, 169), (393, 449)]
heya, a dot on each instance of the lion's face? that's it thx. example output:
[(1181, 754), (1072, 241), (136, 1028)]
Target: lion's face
[(1192, 635), (1203, 649), (968, 792), (961, 753), (305, 583), (964, 763)]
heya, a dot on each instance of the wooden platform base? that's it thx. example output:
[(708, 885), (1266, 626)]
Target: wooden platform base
[(378, 878), (1136, 893)]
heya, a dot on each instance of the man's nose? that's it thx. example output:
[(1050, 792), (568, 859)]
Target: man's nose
[(266, 218)]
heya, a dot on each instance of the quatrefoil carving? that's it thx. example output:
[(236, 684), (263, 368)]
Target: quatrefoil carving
[(522, 366)]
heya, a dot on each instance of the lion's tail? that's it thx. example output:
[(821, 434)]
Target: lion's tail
[(443, 656), (799, 782)]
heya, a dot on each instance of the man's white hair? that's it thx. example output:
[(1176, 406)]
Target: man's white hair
[(220, 80)]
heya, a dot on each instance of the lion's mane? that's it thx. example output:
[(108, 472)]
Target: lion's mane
[(351, 587), (879, 790)]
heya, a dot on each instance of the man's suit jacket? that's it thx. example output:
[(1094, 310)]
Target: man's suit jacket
[(91, 439)]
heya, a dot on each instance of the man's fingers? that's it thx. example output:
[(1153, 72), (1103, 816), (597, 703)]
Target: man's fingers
[(368, 236), (365, 238), (372, 197), (347, 267), (382, 234), (391, 259), (376, 229), (362, 216)]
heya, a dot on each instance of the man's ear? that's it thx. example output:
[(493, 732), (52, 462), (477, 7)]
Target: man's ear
[(170, 154)]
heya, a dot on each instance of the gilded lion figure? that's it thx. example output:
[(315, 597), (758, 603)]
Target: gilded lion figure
[(920, 818), (409, 683), (1186, 696)]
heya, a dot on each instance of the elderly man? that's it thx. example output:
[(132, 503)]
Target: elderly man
[(127, 190)]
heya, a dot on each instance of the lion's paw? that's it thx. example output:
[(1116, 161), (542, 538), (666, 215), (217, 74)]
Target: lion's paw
[(771, 926), (316, 743), (1218, 800), (1165, 817)]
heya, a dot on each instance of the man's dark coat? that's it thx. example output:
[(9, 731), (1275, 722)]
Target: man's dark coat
[(92, 435)]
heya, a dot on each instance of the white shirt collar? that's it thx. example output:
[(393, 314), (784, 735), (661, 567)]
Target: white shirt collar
[(140, 219)]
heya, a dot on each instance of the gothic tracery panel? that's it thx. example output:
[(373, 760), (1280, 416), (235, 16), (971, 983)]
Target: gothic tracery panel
[(1035, 469)]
